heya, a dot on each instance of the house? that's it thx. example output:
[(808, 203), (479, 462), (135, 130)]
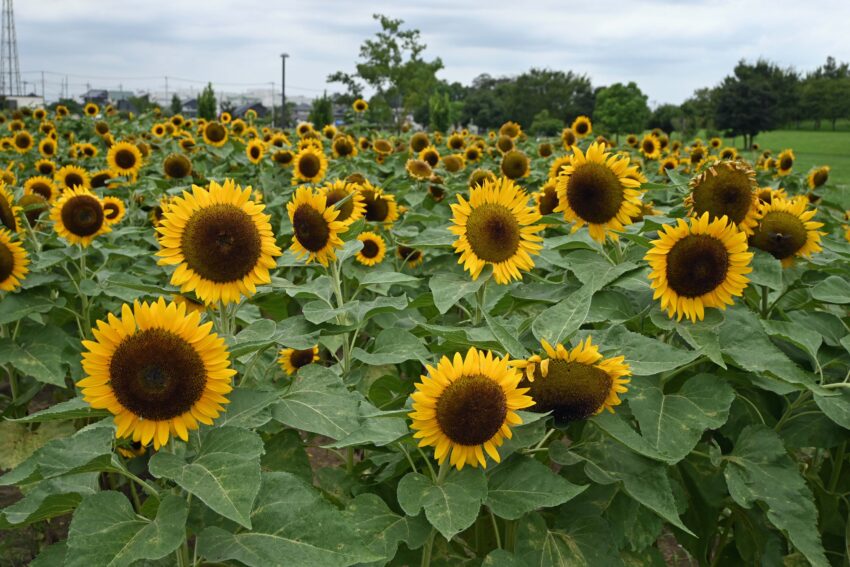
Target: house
[(257, 107), (98, 96), (190, 108), (13, 102)]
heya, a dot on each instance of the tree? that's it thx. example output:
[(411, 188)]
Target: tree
[(322, 111), (227, 106), (440, 112), (825, 92), (206, 103), (667, 117), (698, 111), (176, 105), (544, 124), (393, 66), (622, 108)]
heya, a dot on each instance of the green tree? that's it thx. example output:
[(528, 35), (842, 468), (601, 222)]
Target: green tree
[(440, 112), (206, 103), (698, 111), (176, 105), (322, 111), (826, 93), (668, 117), (621, 108), (544, 124)]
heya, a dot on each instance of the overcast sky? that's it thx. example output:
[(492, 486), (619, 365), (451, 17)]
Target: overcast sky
[(668, 47)]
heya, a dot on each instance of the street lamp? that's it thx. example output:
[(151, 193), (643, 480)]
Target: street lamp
[(283, 116)]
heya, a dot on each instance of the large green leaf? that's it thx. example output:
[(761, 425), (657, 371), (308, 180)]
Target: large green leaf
[(393, 346), (105, 531), (75, 408), (833, 289), (50, 498), (292, 527), (557, 323), (224, 473), (523, 484), (644, 355), (38, 352), (574, 542), (759, 469), (450, 506), (380, 529), (448, 288)]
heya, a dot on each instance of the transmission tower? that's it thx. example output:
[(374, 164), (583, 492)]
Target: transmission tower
[(10, 71)]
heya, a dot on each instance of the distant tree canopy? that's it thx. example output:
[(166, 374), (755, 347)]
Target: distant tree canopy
[(176, 104), (206, 103), (621, 108), (322, 112)]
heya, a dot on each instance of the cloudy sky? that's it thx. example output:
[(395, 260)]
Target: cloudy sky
[(668, 47)]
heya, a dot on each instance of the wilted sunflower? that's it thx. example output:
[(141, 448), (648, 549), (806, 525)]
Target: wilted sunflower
[(13, 262), (568, 138), (510, 129), (315, 228), (113, 210), (466, 406), (47, 147), (411, 256), (220, 241), (291, 359), (632, 140), (726, 189), (418, 169), (125, 159), (515, 164), (786, 230), (430, 155), (498, 227), (215, 134), (309, 166), (670, 162), (255, 150), (785, 162), (598, 189), (380, 207), (158, 370), (343, 146), (574, 384), (353, 208), (547, 197), (582, 126), (649, 147), (360, 105), (177, 166), (453, 163), (91, 109), (728, 153), (373, 251), (818, 177), (78, 216), (40, 185), (45, 167), (698, 265), (419, 141)]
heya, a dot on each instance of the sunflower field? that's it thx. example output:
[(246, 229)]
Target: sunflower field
[(225, 343)]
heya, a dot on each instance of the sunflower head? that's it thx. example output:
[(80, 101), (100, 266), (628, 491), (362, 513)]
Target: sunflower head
[(582, 126), (726, 189), (650, 147), (515, 164), (47, 147), (176, 166), (472, 153), (315, 228), (309, 166), (545, 149), (45, 167), (91, 109), (510, 129), (547, 197), (360, 105), (670, 162), (410, 256), (715, 142), (33, 206), (479, 177), (291, 359), (419, 141), (13, 262), (505, 144), (419, 169), (78, 216), (41, 185), (351, 205), (373, 251), (818, 177), (430, 155), (465, 407), (255, 150), (632, 140), (456, 142), (785, 162), (786, 229), (113, 210), (380, 207), (343, 146), (283, 158), (454, 163), (728, 153), (124, 159), (101, 179), (215, 134)]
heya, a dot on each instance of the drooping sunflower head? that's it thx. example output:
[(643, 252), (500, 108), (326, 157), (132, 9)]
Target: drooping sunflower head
[(818, 177), (33, 206), (351, 205), (600, 190), (454, 163), (410, 256), (510, 129), (41, 185), (344, 146), (315, 228), (582, 126), (498, 227), (547, 197), (785, 162), (698, 265), (13, 262), (505, 144), (215, 134), (418, 169), (360, 105), (430, 155), (728, 153), (786, 230), (574, 384), (568, 138), (113, 210), (419, 141), (381, 207), (124, 159), (309, 166), (291, 359), (373, 251), (176, 166), (220, 240), (649, 147), (255, 150), (158, 370), (515, 164), (479, 177), (78, 216), (466, 406), (726, 189)]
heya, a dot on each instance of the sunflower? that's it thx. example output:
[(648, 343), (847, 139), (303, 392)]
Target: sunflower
[(33, 206), (496, 226), (479, 177), (78, 216), (101, 179), (545, 149), (505, 144), (329, 131), (715, 142), (344, 146), (547, 197), (382, 146), (729, 153), (466, 406), (786, 230), (13, 262), (158, 370), (632, 140), (818, 177), (698, 265), (91, 109), (291, 359), (124, 159), (410, 256), (255, 150), (430, 155), (41, 185), (45, 167), (283, 158), (650, 147), (726, 189), (380, 207), (225, 117), (418, 169), (22, 141), (454, 163), (767, 194), (214, 134), (360, 105), (47, 147), (785, 162), (113, 210), (419, 141), (598, 189), (309, 166), (582, 126), (568, 138), (220, 241), (279, 140), (315, 228), (303, 129), (472, 153), (353, 208), (515, 164), (456, 142), (670, 162), (574, 384), (373, 251), (510, 129), (557, 165), (696, 157), (176, 166), (436, 190)]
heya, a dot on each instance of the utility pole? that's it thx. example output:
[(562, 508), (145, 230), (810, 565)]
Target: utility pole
[(283, 116)]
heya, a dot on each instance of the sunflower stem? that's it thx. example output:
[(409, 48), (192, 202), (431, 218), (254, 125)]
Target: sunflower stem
[(495, 529), (480, 299), (837, 462), (426, 549), (510, 535)]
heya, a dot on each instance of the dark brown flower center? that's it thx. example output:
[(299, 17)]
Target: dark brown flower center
[(310, 227), (548, 201), (48, 148), (780, 233), (595, 193), (7, 262), (343, 147), (505, 144), (493, 232), (215, 132), (111, 210), (45, 168), (820, 177), (572, 391), (125, 159), (82, 215), (309, 166), (724, 191), (568, 137), (221, 243), (419, 142), (696, 265), (177, 166), (23, 140), (7, 216), (157, 374), (786, 162), (370, 248), (514, 164), (648, 147), (300, 358), (471, 410), (377, 208), (581, 128), (408, 254)]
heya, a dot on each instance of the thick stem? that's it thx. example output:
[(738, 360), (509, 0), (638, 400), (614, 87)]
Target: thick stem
[(836, 466), (496, 529)]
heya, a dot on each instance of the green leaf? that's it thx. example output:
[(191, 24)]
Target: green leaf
[(248, 408), (292, 526), (767, 270), (502, 558), (51, 498), (759, 469), (372, 278), (75, 408), (380, 529), (508, 340), (614, 425), (318, 401), (376, 428), (704, 338), (557, 323), (834, 289), (574, 542), (836, 407), (645, 356), (393, 346), (105, 531), (285, 453), (523, 484), (434, 238), (17, 306), (448, 288), (38, 352), (451, 506), (806, 339), (224, 474), (674, 422)]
